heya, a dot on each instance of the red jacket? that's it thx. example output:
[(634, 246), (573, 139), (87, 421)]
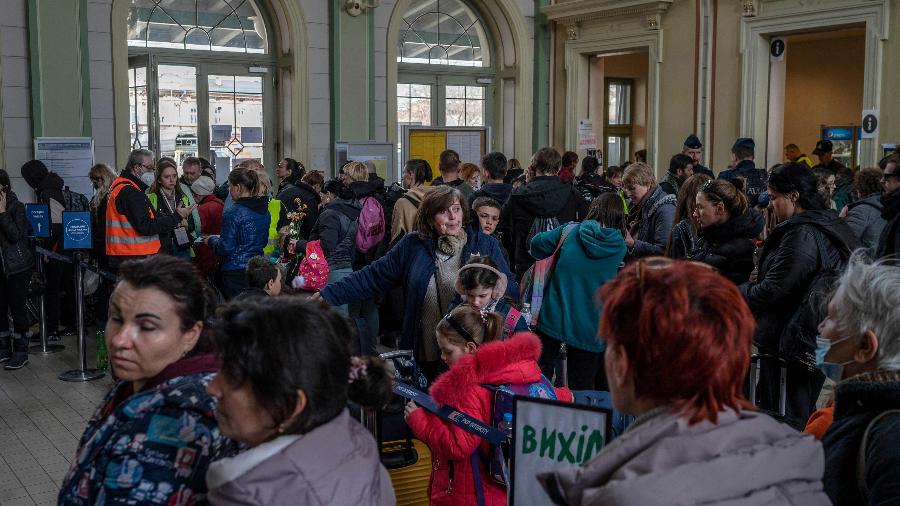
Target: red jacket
[(211, 209), (496, 363)]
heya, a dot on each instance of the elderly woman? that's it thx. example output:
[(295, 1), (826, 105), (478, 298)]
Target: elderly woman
[(859, 347), (286, 378), (678, 349), (425, 262), (155, 433), (651, 212)]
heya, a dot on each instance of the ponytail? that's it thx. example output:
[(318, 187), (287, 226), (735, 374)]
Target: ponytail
[(492, 326), (246, 178), (370, 382)]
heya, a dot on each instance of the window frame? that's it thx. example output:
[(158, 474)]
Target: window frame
[(625, 130)]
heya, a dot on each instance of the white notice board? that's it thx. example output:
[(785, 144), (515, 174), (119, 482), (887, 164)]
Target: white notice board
[(70, 157), (549, 436), (467, 144)]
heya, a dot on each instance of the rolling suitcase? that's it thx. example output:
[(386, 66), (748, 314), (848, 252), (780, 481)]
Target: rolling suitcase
[(756, 361)]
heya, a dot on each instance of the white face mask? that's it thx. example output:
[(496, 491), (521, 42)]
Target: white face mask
[(147, 178)]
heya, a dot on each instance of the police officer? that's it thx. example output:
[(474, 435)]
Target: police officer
[(694, 149), (843, 176), (744, 174)]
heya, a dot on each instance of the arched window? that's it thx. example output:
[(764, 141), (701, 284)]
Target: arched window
[(200, 80), (436, 39)]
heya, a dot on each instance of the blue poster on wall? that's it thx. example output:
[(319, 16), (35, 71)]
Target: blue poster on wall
[(38, 216), (76, 230)]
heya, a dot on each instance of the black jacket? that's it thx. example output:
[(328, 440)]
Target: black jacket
[(308, 196), (798, 265), (336, 231), (542, 197), (15, 252), (747, 178), (497, 191), (729, 247), (592, 186), (889, 242), (858, 401)]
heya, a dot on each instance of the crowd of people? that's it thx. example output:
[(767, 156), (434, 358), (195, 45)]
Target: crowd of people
[(248, 315)]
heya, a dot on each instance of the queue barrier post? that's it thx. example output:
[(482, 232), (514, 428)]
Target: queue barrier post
[(44, 348), (83, 373)]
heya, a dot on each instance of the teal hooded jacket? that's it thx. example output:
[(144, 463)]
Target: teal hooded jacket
[(590, 257)]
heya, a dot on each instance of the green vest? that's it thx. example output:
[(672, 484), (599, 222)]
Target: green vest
[(186, 200), (272, 248)]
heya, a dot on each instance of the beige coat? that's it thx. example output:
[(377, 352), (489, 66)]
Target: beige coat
[(404, 217)]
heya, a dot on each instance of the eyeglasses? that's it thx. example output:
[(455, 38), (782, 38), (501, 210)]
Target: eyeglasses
[(885, 176), (659, 263)]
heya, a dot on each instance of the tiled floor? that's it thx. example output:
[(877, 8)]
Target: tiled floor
[(41, 419)]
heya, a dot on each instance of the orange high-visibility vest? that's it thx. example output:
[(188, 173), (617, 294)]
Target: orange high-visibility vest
[(121, 238)]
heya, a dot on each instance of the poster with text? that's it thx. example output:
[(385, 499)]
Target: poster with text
[(71, 158), (548, 436)]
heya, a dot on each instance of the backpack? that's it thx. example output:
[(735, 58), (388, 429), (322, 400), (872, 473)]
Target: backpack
[(75, 201), (370, 230), (312, 273), (535, 280), (539, 225), (501, 418)]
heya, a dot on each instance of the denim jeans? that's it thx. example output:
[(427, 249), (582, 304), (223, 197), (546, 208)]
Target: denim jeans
[(336, 275)]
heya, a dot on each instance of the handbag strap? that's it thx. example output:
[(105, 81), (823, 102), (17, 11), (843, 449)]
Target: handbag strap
[(476, 478), (861, 457), (450, 414)]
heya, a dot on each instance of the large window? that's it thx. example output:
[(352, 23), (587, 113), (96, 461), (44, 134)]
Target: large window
[(617, 120), (200, 80), (438, 39)]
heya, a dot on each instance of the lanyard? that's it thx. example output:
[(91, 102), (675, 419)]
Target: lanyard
[(452, 415)]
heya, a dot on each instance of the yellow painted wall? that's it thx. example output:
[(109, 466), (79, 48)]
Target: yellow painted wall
[(726, 120), (676, 80), (823, 86)]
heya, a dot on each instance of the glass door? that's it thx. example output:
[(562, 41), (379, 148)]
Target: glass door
[(222, 112), (237, 119)]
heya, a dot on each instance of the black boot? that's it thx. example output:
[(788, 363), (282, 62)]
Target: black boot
[(20, 352), (5, 347)]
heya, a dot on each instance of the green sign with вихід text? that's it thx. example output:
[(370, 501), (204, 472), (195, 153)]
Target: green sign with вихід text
[(550, 436)]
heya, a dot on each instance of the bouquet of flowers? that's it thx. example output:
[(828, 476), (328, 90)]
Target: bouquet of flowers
[(295, 219)]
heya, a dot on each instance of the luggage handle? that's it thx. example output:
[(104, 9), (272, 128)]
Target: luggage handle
[(755, 360)]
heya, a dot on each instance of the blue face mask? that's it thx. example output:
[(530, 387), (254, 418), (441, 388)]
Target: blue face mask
[(833, 371)]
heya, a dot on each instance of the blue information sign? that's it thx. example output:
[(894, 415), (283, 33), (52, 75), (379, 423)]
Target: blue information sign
[(38, 216), (76, 230)]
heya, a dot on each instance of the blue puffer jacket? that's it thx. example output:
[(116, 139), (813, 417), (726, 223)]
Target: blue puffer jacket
[(152, 447), (411, 264), (245, 232)]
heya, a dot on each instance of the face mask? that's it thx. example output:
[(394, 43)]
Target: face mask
[(147, 178), (833, 371)]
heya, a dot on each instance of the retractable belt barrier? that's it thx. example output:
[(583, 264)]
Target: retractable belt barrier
[(82, 373)]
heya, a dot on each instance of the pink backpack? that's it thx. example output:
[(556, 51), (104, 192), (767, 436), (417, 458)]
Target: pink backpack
[(312, 274), (370, 228)]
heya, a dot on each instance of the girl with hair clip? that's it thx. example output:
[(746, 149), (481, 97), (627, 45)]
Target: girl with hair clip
[(480, 284), (469, 344)]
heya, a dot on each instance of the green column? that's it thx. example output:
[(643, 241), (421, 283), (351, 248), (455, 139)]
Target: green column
[(59, 61), (541, 133), (352, 74)]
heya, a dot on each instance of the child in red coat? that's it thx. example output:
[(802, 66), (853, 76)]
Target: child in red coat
[(469, 345)]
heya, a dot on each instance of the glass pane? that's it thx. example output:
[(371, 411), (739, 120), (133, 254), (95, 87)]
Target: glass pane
[(455, 112), (137, 108), (209, 25), (420, 90), (235, 119), (455, 91), (617, 149), (474, 91), (441, 32), (403, 90), (177, 111), (474, 112), (619, 103)]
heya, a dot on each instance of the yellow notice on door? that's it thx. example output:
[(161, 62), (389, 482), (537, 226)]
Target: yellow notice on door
[(427, 145)]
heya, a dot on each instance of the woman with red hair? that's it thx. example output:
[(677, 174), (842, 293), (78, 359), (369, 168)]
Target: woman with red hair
[(678, 349)]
